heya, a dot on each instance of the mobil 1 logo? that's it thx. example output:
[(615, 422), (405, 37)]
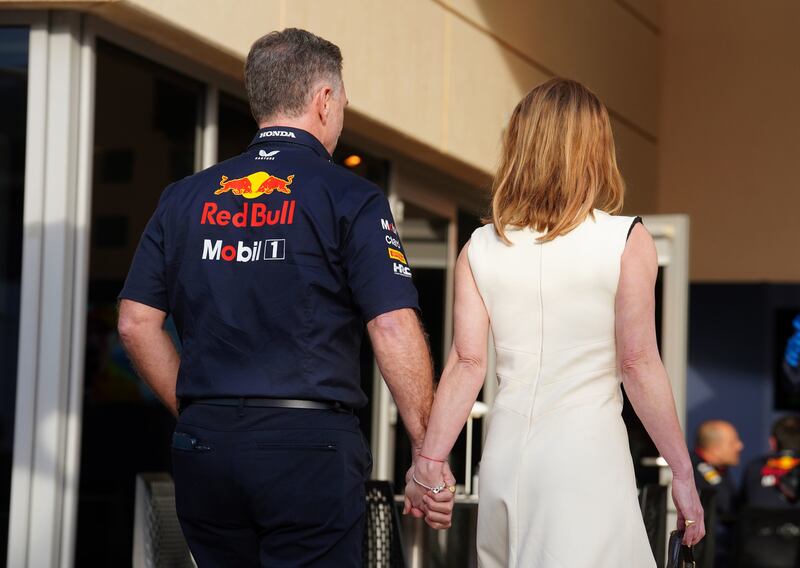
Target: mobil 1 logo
[(269, 249)]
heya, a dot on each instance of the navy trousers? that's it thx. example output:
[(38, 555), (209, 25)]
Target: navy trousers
[(270, 487)]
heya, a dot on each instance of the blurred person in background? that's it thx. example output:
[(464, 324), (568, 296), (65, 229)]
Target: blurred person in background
[(718, 448), (772, 481)]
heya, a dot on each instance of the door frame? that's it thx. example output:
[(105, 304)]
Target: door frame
[(30, 281)]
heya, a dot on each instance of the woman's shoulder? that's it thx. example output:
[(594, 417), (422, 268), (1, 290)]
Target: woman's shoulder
[(617, 222), (481, 241), (483, 233), (603, 216)]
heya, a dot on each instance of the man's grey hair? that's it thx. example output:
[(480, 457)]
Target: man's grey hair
[(283, 68)]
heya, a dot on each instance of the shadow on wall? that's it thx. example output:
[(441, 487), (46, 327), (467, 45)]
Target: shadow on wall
[(609, 46), (732, 346)]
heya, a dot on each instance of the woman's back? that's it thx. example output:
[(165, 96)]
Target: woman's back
[(556, 433), (551, 304)]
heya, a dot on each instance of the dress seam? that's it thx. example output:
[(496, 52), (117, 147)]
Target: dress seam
[(515, 550)]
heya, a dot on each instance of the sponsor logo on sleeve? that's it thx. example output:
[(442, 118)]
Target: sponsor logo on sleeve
[(388, 226), (392, 241), (401, 270), (395, 254), (269, 249), (709, 473)]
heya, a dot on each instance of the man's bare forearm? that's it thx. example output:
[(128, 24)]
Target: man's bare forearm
[(151, 351), (404, 360)]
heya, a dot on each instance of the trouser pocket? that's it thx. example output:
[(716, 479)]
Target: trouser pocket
[(187, 442)]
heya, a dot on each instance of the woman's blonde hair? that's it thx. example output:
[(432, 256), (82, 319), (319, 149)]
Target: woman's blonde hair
[(558, 162)]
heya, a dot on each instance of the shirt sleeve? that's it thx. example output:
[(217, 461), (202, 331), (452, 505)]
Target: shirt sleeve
[(377, 269), (147, 281)]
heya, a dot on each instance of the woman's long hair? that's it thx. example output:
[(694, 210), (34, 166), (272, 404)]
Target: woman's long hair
[(558, 162)]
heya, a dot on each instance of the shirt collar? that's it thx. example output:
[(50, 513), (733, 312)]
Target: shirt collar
[(292, 136)]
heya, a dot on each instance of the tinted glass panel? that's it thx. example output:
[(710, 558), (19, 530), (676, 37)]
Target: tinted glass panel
[(236, 127), (145, 138)]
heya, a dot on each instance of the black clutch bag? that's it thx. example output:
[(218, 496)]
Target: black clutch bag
[(678, 555)]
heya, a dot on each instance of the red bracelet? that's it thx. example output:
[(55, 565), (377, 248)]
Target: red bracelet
[(430, 459)]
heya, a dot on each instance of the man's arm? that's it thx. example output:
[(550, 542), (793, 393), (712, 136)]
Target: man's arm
[(405, 363), (150, 348), (404, 359)]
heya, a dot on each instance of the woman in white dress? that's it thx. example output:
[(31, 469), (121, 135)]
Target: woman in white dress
[(567, 288)]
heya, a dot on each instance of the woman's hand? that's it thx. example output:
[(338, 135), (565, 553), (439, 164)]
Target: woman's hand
[(687, 502), (437, 508)]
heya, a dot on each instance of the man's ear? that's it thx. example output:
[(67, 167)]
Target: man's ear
[(322, 101)]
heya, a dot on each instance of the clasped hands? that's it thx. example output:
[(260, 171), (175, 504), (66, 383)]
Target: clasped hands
[(436, 508)]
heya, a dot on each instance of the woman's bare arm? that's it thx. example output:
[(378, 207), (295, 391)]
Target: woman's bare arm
[(643, 374), (463, 374)]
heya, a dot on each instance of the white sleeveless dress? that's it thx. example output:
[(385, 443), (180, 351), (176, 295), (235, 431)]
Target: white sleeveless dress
[(557, 488)]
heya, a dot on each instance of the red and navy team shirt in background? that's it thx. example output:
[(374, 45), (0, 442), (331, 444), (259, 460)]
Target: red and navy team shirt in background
[(270, 264)]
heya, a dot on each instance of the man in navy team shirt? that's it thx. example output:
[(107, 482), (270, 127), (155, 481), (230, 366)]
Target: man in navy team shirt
[(271, 263)]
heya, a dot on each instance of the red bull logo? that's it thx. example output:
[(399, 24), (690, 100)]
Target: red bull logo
[(779, 466), (254, 185)]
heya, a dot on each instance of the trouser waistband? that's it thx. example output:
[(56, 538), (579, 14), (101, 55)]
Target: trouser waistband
[(259, 402)]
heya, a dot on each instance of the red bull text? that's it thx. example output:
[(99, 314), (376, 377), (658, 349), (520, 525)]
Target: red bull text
[(251, 215)]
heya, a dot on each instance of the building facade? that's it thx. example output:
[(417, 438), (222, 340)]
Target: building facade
[(106, 102)]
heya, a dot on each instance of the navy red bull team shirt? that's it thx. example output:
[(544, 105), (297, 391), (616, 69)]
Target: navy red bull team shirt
[(270, 264)]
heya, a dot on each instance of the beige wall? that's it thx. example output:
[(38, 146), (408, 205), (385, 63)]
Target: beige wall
[(730, 136), (437, 79)]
